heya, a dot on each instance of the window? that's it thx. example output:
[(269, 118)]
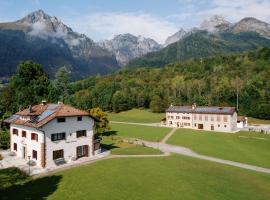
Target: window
[(206, 117), (225, 118), (225, 126), (218, 125), (82, 151), (185, 117), (218, 118), (58, 136), (15, 131), (24, 134), (195, 124), (61, 119), (15, 146), (81, 133), (195, 117), (34, 136), (212, 118), (58, 154), (200, 117), (79, 118), (34, 154)]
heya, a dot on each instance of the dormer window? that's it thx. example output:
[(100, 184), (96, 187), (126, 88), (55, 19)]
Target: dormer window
[(61, 119)]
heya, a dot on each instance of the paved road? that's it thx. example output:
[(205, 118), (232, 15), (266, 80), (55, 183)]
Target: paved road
[(167, 148), (168, 136)]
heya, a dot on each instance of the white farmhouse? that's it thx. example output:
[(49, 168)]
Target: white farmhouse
[(51, 134), (202, 117), (242, 122)]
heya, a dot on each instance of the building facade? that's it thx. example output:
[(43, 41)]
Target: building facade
[(50, 134), (203, 118)]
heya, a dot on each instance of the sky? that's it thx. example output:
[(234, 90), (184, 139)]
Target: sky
[(157, 19)]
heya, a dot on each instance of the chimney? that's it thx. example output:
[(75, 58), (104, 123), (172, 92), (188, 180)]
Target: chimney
[(193, 106), (44, 102), (30, 109)]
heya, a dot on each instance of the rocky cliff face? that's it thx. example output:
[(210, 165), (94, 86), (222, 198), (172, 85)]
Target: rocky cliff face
[(250, 24), (175, 37), (126, 47), (75, 50)]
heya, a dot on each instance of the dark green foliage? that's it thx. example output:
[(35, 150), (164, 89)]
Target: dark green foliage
[(4, 139), (11, 176), (208, 81), (28, 86), (202, 44)]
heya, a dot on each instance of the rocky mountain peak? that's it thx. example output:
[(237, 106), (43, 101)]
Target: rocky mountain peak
[(35, 16), (214, 22), (127, 46), (250, 24)]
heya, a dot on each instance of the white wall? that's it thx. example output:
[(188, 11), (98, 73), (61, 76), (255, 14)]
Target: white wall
[(27, 142), (221, 125), (69, 145)]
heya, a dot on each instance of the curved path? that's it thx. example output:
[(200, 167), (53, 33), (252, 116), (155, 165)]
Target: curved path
[(167, 148)]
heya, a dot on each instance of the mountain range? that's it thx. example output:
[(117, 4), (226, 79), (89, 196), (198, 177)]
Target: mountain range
[(48, 41), (215, 36)]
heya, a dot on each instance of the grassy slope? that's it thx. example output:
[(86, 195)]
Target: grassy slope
[(136, 115), (252, 120), (138, 131), (116, 146), (249, 148), (173, 177)]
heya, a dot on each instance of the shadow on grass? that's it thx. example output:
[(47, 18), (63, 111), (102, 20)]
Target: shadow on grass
[(23, 187), (108, 146), (109, 133)]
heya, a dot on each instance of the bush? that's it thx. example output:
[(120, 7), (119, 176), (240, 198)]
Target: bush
[(4, 139)]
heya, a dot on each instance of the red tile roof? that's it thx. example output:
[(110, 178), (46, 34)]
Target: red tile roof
[(41, 114)]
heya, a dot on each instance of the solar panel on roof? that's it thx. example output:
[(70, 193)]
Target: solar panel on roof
[(50, 110)]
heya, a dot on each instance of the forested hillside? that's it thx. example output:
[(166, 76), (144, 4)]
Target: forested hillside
[(201, 44), (209, 81)]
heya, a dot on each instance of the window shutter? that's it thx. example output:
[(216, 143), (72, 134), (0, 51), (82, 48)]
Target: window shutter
[(86, 150)]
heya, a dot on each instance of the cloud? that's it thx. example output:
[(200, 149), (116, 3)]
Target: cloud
[(107, 25), (232, 10)]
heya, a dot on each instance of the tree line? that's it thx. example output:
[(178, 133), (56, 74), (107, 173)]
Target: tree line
[(213, 81)]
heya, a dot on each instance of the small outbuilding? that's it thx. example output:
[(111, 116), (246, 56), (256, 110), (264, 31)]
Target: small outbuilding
[(242, 122)]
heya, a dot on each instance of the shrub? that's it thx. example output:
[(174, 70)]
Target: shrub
[(4, 139)]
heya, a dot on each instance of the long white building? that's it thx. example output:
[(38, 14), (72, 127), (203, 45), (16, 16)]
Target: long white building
[(50, 134), (202, 117)]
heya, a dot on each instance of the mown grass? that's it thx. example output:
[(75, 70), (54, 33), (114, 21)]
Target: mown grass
[(149, 133), (246, 147), (174, 177), (117, 146), (137, 116)]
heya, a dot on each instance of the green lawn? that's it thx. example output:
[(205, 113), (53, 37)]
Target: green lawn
[(258, 121), (245, 147), (174, 177), (139, 131), (137, 116), (118, 147)]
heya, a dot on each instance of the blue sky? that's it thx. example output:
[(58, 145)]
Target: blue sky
[(102, 19)]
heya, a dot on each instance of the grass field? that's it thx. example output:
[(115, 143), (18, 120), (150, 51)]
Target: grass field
[(138, 131), (137, 116), (245, 147), (118, 147), (258, 121), (174, 177)]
